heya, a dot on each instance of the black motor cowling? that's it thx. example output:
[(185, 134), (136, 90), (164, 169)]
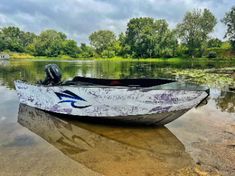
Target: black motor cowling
[(53, 75)]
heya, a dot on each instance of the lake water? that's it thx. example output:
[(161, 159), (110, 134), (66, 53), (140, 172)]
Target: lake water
[(202, 141)]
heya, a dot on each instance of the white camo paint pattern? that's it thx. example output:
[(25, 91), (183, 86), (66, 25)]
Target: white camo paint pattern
[(108, 101)]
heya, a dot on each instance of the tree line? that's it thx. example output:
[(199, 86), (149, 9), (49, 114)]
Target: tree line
[(144, 37)]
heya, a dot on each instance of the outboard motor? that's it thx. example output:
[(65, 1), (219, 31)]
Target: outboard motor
[(53, 75)]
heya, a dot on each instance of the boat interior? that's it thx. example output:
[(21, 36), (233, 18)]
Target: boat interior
[(141, 82)]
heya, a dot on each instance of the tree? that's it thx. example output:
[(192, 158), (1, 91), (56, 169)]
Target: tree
[(117, 48), (147, 37), (195, 28), (165, 40), (229, 21), (2, 42), (139, 36), (49, 43), (27, 38), (86, 51), (11, 38), (124, 47), (70, 48), (102, 40), (214, 42)]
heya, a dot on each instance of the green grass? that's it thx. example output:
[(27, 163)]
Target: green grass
[(175, 59), (21, 56), (116, 58)]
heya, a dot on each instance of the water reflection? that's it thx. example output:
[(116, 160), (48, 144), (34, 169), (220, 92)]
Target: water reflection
[(8, 105), (34, 70), (4, 62), (109, 150), (226, 102)]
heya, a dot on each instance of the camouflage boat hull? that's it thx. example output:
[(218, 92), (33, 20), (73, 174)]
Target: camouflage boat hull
[(150, 105)]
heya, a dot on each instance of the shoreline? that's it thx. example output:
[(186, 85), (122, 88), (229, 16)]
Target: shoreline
[(19, 56)]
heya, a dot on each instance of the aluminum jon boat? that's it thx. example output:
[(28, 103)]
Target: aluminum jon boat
[(151, 101)]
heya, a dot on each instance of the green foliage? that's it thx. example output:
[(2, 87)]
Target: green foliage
[(86, 51), (147, 37), (212, 54), (13, 39), (195, 28), (182, 50), (117, 48), (28, 38), (229, 21), (108, 54), (139, 36), (214, 43), (49, 43), (70, 48), (125, 49), (102, 40), (226, 45)]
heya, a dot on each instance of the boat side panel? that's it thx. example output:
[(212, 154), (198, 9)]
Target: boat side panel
[(103, 102)]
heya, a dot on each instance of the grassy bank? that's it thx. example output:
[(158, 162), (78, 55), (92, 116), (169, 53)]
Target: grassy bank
[(173, 60), (28, 56)]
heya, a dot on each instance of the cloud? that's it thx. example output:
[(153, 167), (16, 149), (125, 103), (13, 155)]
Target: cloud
[(79, 18), (2, 118)]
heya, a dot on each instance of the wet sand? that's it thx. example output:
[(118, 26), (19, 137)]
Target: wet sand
[(209, 137)]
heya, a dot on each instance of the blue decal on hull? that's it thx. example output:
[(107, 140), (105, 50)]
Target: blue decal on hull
[(71, 98)]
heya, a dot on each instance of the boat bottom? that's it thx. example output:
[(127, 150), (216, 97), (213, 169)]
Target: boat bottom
[(151, 119)]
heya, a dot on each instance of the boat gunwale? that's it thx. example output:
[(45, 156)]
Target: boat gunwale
[(113, 87)]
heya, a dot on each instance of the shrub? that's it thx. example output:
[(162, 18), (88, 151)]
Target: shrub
[(108, 54), (212, 54), (167, 53)]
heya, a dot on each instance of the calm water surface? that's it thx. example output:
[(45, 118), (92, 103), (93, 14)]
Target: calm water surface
[(202, 141)]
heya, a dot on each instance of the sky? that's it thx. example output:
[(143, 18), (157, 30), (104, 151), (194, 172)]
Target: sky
[(79, 18)]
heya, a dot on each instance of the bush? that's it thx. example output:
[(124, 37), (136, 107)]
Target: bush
[(167, 54), (108, 54), (212, 54)]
